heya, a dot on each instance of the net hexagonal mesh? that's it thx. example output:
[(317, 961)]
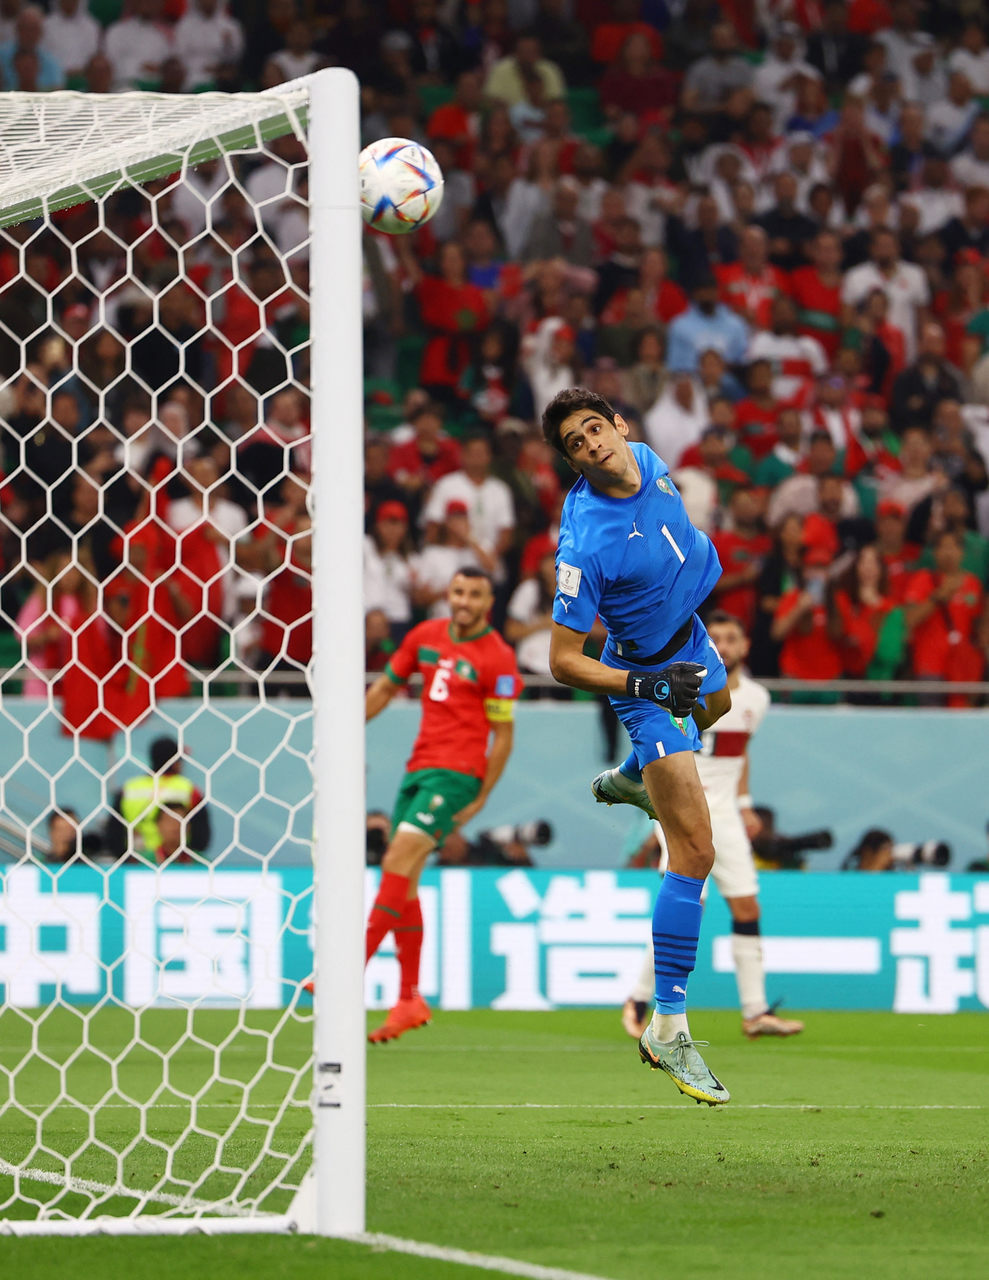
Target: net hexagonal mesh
[(155, 637)]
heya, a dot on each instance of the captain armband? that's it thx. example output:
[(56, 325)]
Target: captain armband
[(499, 710)]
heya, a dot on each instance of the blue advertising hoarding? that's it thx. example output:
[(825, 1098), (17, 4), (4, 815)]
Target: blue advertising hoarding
[(918, 773), (509, 938)]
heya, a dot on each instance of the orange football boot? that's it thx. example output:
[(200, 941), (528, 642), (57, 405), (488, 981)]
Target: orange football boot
[(405, 1016)]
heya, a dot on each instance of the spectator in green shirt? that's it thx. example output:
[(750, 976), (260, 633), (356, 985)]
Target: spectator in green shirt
[(786, 453)]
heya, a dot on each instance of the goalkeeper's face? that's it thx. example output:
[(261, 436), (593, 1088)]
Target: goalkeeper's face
[(470, 600), (596, 447)]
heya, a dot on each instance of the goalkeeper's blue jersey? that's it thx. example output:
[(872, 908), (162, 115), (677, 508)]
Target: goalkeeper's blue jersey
[(636, 562)]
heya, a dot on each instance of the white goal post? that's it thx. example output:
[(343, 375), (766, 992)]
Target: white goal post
[(179, 1161)]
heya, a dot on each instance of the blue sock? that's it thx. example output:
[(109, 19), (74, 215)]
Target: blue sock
[(630, 768), (676, 926)]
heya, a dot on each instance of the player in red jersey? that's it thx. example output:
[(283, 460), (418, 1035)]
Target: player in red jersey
[(470, 684)]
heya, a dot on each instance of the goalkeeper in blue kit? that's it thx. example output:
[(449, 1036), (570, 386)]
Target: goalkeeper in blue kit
[(629, 555)]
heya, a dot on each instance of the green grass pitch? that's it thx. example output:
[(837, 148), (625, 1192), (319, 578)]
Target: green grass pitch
[(857, 1149)]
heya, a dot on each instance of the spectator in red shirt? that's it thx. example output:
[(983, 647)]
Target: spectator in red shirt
[(415, 465), (611, 37), (282, 552), (635, 82), (195, 588), (662, 298), (252, 309), (899, 557), (153, 644), (965, 297), (454, 313), (781, 570), (857, 155), (755, 416), (943, 608), (866, 17), (459, 121), (870, 446), (863, 604), (816, 289), (751, 285), (741, 548), (806, 625)]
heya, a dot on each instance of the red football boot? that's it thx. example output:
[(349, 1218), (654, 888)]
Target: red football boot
[(405, 1016)]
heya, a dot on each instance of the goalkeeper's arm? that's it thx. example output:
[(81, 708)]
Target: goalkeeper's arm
[(571, 666), (676, 687)]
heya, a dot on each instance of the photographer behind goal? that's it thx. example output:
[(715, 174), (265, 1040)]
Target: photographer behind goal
[(878, 851)]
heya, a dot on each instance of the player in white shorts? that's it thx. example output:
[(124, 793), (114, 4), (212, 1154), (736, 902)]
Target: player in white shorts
[(723, 765)]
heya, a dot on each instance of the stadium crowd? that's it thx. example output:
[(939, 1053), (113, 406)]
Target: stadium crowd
[(760, 228)]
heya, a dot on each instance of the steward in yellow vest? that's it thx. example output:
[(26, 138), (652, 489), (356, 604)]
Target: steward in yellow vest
[(142, 798)]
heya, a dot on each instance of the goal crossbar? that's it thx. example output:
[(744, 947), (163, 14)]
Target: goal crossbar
[(55, 145)]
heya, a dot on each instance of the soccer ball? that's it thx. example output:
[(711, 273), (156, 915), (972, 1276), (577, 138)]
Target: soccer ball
[(401, 185)]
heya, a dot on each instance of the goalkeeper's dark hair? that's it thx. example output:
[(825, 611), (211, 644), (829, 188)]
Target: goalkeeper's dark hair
[(563, 404), (472, 571)]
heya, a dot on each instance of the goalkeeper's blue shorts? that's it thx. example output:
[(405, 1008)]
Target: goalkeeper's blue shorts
[(654, 732)]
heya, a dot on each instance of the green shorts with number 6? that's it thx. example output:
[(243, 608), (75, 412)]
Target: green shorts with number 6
[(429, 799)]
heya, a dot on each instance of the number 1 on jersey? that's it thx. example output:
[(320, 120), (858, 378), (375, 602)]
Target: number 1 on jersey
[(673, 543)]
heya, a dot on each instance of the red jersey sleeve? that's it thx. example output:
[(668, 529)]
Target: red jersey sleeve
[(405, 659)]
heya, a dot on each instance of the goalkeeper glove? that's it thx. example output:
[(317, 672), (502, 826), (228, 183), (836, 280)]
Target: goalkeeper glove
[(676, 688)]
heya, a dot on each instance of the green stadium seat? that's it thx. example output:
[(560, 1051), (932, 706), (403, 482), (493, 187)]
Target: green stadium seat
[(409, 360), (382, 403), (432, 96), (585, 109), (10, 656), (106, 11), (597, 137)]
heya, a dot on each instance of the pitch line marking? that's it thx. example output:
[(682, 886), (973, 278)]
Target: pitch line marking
[(675, 1106), (521, 1106), (464, 1257), (86, 1185)]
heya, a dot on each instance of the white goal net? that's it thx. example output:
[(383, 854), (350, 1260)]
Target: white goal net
[(157, 348)]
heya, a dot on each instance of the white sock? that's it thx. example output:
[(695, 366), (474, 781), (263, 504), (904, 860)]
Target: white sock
[(667, 1026), (746, 950), (645, 986), (625, 786)]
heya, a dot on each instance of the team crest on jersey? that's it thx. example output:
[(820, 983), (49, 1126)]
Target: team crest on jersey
[(568, 579), (664, 484)]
